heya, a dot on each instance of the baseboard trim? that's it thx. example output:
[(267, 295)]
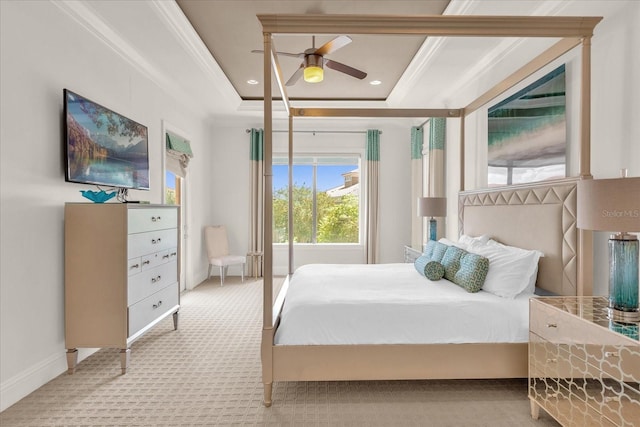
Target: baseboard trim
[(31, 379)]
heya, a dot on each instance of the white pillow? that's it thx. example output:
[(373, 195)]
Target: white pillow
[(465, 242), (448, 242), (511, 270), (531, 286), (470, 241)]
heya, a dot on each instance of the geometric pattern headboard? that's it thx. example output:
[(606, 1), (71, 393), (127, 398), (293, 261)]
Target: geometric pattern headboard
[(534, 216)]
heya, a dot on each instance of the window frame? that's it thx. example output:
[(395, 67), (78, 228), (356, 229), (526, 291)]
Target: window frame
[(356, 154)]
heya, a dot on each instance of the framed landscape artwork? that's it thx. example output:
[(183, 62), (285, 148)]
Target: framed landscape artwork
[(527, 133)]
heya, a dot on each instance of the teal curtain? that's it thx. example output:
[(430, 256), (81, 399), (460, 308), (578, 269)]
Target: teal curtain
[(257, 145), (436, 177), (256, 235), (417, 142), (372, 157)]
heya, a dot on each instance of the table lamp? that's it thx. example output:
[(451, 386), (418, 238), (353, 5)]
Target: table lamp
[(432, 207), (614, 205)]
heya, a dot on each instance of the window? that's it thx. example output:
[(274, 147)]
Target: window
[(326, 199), (172, 189)]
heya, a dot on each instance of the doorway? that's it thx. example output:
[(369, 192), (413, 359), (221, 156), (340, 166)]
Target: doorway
[(176, 156)]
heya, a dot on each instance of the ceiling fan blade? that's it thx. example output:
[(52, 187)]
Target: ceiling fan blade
[(345, 69), (333, 45), (296, 76), (294, 55)]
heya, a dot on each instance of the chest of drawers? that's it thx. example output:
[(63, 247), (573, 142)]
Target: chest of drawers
[(584, 369), (121, 274)]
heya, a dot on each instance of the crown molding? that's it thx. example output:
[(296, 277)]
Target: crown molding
[(178, 24), (425, 56), (95, 25), (428, 54)]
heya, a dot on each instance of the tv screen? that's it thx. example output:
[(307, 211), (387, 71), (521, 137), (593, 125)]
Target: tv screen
[(103, 147)]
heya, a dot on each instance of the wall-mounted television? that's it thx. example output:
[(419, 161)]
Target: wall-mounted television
[(103, 147)]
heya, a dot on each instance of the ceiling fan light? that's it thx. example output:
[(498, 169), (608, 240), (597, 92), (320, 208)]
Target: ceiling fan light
[(313, 74)]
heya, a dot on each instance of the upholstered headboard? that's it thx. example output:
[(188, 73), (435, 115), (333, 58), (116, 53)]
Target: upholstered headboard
[(540, 216)]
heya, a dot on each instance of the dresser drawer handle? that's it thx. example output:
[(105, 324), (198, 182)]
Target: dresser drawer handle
[(155, 218), (552, 360), (154, 241), (610, 354), (612, 399), (156, 279), (145, 262), (165, 256), (134, 266), (157, 305), (552, 325), (174, 253)]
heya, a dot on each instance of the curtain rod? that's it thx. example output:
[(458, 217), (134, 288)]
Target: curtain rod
[(318, 131)]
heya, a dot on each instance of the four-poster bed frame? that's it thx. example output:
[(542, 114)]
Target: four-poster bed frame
[(567, 264)]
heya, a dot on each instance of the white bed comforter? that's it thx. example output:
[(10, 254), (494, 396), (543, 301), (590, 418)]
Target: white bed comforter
[(393, 304)]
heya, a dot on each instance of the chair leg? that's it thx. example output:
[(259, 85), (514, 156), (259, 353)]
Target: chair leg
[(221, 275), (209, 274), (242, 273)]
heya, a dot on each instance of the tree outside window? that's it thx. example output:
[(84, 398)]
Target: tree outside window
[(326, 199)]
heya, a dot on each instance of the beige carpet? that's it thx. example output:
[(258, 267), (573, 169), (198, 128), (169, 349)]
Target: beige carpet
[(207, 373)]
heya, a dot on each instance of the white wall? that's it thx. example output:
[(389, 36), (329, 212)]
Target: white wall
[(43, 51), (615, 128)]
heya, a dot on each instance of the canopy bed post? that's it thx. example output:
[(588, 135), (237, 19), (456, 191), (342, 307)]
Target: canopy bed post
[(267, 328), (585, 110), (585, 237), (463, 114), (290, 218)]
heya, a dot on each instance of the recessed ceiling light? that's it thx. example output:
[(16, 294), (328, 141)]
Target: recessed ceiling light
[(253, 82), (375, 82)]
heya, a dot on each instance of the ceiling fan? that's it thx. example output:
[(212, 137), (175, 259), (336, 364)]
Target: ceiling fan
[(313, 61)]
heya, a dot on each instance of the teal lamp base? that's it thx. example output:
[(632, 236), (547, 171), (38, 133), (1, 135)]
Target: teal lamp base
[(623, 278), (433, 229)]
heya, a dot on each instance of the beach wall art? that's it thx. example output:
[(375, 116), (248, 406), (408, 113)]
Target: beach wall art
[(527, 133)]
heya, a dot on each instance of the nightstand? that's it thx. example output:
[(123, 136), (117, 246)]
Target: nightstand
[(410, 254), (584, 369)]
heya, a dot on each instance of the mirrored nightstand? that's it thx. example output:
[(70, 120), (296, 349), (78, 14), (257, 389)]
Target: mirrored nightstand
[(410, 254), (584, 369)]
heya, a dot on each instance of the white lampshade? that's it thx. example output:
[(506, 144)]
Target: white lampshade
[(609, 204), (432, 206)]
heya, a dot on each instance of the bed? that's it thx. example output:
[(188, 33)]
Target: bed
[(538, 216), (355, 304), (548, 210)]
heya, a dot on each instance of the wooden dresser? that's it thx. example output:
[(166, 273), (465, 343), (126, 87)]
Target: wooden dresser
[(121, 274), (584, 369)]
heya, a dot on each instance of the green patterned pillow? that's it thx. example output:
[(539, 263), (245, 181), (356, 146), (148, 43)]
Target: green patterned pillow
[(451, 261), (472, 272), (434, 270)]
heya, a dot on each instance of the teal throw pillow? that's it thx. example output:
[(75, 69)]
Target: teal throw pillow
[(428, 248), (439, 250), (420, 263)]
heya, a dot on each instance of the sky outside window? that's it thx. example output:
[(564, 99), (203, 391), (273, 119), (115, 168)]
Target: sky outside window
[(329, 176)]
